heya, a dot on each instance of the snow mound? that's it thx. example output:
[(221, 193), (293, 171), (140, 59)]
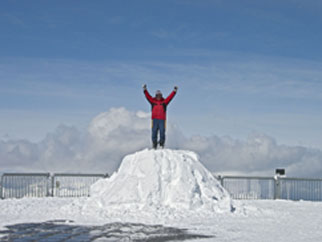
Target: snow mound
[(161, 179)]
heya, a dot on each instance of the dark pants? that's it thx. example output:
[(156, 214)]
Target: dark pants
[(158, 124)]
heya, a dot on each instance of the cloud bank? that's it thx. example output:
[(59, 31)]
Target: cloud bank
[(113, 134)]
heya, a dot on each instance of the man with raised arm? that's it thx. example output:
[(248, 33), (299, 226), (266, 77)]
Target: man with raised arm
[(159, 109)]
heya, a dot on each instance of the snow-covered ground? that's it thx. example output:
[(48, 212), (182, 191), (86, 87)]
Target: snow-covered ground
[(252, 221), (169, 188)]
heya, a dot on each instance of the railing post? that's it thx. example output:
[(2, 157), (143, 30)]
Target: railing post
[(1, 188), (221, 180), (53, 185), (48, 193), (277, 188)]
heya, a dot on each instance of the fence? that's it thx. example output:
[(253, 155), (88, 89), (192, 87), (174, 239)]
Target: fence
[(273, 188), (300, 189), (18, 185), (249, 187), (73, 185)]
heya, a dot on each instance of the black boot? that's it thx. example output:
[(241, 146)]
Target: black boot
[(162, 144), (155, 145)]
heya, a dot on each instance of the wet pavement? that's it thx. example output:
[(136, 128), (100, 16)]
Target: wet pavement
[(62, 230)]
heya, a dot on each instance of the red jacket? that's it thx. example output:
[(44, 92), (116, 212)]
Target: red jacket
[(159, 108)]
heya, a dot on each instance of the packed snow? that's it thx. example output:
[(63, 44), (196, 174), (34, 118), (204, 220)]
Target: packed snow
[(172, 181), (263, 220), (169, 188)]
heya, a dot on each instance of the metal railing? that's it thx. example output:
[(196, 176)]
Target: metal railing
[(73, 185), (241, 187), (18, 185), (250, 187), (300, 189)]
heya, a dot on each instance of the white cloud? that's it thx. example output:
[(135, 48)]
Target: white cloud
[(117, 132), (259, 154)]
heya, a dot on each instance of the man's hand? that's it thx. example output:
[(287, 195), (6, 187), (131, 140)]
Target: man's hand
[(144, 87), (175, 89)]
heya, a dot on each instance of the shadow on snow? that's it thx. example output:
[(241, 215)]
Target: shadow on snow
[(62, 230)]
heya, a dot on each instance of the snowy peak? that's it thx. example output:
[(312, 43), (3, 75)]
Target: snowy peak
[(166, 178)]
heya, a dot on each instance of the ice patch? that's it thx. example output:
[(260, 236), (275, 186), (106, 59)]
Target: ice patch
[(167, 180)]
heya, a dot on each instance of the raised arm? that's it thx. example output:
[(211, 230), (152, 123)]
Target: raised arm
[(170, 97), (147, 94)]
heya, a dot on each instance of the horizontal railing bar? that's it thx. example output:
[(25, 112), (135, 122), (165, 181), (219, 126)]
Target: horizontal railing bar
[(267, 178), (300, 179), (80, 174), (26, 174), (246, 177), (55, 174)]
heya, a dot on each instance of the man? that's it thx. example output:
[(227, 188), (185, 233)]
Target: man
[(159, 108)]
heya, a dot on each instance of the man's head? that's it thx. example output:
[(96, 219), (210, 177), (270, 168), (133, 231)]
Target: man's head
[(158, 95)]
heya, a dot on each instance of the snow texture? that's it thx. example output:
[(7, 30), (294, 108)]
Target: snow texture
[(169, 188), (166, 179), (263, 220)]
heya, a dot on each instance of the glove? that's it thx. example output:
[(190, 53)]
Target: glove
[(175, 88), (144, 87)]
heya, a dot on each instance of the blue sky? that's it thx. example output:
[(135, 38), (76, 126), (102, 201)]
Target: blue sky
[(241, 66)]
